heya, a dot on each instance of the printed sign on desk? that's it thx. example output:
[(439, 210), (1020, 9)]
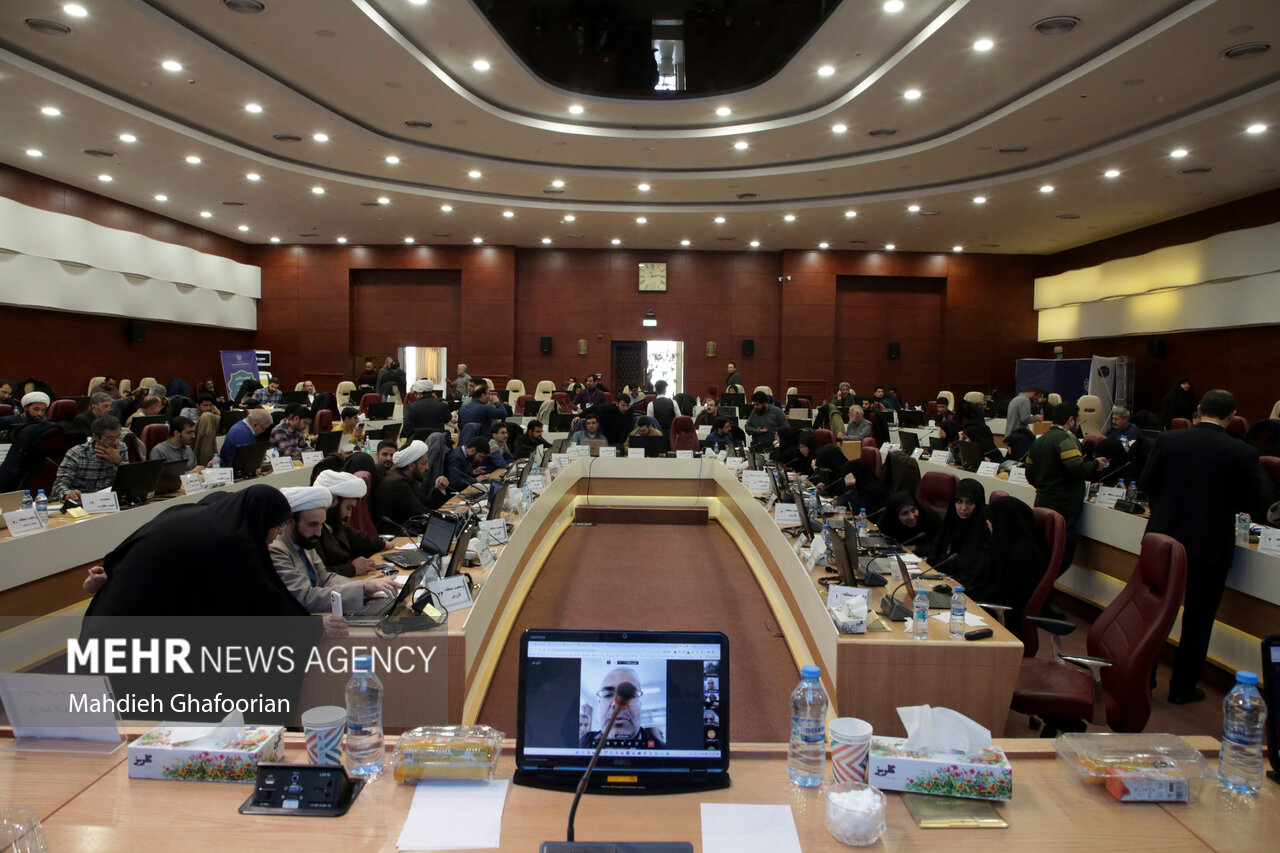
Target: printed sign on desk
[(218, 477), (786, 514), (580, 451), (535, 483), (917, 453), (486, 556), (1018, 476), (561, 459), (704, 431), (282, 464), (608, 452), (311, 457), (684, 454), (495, 529), (988, 469), (191, 483), (635, 452), (98, 503), (757, 481), (452, 593), (1269, 540), (735, 463), (1108, 495), (23, 522)]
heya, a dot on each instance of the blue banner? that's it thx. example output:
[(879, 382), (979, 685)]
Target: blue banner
[(1066, 376), (237, 366)]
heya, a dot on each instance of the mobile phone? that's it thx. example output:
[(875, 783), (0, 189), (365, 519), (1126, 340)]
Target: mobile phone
[(335, 602)]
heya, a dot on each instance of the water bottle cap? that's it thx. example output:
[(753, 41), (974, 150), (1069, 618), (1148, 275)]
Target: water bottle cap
[(810, 671), (1243, 677), (959, 588), (363, 663)]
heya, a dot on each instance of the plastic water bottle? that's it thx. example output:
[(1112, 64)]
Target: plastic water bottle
[(957, 613), (42, 508), (807, 751), (215, 461), (27, 503), (365, 750), (1243, 523), (1131, 491), (1244, 715), (826, 538), (920, 616), (862, 523)]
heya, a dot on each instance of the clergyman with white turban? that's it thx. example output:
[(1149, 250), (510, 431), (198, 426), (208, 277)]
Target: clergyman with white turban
[(345, 548), (402, 497)]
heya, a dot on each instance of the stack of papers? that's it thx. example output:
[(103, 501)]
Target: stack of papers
[(455, 815)]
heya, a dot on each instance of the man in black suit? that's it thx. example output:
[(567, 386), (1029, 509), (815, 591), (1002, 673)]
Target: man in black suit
[(1198, 479), (429, 412)]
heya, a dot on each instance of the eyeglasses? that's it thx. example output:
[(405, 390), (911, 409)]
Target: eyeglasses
[(607, 693)]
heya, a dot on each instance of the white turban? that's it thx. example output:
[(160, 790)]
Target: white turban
[(35, 397), (303, 498), (409, 454), (341, 484), (423, 386)]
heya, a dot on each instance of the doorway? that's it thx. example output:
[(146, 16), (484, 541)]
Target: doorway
[(627, 360), (424, 363), (666, 361)]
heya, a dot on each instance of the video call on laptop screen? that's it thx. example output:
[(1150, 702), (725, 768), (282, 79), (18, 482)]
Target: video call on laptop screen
[(679, 715)]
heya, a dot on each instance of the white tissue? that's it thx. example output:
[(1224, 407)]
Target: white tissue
[(942, 730), (231, 728)]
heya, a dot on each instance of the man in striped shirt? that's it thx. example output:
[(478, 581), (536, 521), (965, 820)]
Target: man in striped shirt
[(91, 467)]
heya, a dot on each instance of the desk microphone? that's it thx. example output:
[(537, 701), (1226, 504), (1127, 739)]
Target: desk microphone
[(933, 567), (1117, 471), (624, 693), (912, 539), (880, 511)]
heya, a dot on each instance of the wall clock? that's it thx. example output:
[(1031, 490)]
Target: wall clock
[(653, 277)]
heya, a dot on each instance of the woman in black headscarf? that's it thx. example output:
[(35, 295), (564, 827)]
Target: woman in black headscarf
[(827, 465), (1179, 402), (964, 531), (909, 523), (860, 488), (980, 434), (1012, 562), (787, 451), (949, 430), (1016, 446)]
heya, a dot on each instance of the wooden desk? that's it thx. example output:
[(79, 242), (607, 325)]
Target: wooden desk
[(1047, 813)]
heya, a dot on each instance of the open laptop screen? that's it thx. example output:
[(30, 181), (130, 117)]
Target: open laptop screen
[(674, 732)]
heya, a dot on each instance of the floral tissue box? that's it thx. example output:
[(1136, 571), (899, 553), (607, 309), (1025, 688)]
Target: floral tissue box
[(983, 775), (168, 751)]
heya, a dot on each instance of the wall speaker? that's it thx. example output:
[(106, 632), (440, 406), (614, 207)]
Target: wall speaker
[(748, 346), (895, 349), (1155, 347), (544, 343), (138, 331)]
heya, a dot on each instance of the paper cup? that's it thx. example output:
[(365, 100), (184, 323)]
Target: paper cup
[(323, 727), (850, 740)]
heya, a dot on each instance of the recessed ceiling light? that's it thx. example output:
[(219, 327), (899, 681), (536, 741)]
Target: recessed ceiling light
[(889, 247), (318, 190), (446, 208), (724, 112), (128, 137), (849, 214), (546, 241), (1178, 153), (982, 45), (684, 242), (342, 239), (243, 227), (558, 184), (1111, 173), (719, 220), (161, 197), (569, 217), (253, 108), (408, 239), (741, 145), (894, 6), (640, 220), (1047, 188), (320, 137), (382, 199), (644, 188), (75, 10), (477, 239), (171, 65), (480, 65), (474, 173), (51, 111), (915, 208), (576, 109), (823, 245), (616, 242), (204, 214), (106, 179), (193, 160), (957, 248), (912, 94), (34, 152), (755, 244), (1256, 128), (253, 176), (839, 128), (507, 214), (826, 71), (418, 2), (790, 217), (979, 199), (275, 239), (392, 159)]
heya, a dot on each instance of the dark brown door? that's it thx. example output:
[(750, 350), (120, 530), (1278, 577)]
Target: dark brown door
[(627, 364)]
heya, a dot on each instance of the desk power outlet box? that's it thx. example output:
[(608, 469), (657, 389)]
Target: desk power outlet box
[(306, 790)]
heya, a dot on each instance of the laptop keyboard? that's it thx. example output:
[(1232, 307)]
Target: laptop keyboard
[(405, 559), (375, 608)]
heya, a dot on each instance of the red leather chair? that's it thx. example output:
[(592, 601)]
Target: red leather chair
[(520, 401), (5, 410), (366, 400), (996, 493), (1180, 423), (1114, 678), (683, 434), (62, 410), (824, 436), (323, 421), (1052, 528), (1271, 464), (1090, 441), (937, 490), (1237, 426), (153, 434), (804, 402), (930, 409), (871, 456), (608, 397), (411, 397), (871, 442), (137, 450), (563, 403), (361, 519)]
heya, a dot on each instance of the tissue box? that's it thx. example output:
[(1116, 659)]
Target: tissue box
[(846, 625), (984, 775), (219, 756)]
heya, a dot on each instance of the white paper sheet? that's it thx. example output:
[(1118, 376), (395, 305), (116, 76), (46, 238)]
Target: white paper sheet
[(970, 620), (748, 828), (454, 816)]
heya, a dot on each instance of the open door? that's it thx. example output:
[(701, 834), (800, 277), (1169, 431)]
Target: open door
[(627, 364)]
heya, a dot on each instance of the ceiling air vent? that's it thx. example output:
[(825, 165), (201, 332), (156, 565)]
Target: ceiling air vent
[(1058, 25), (418, 123), (1244, 51), (286, 137), (99, 152), (48, 28), (882, 131), (746, 196), (1196, 170), (245, 7)]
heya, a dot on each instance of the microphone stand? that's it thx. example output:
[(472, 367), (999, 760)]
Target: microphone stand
[(624, 692)]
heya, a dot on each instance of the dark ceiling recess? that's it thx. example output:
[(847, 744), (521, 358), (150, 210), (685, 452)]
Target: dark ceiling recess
[(659, 49)]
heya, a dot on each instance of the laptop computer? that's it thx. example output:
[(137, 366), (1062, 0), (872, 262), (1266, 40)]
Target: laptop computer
[(662, 741), (329, 442), (391, 432), (141, 422), (458, 557), (377, 609), (497, 500), (561, 445), (135, 483), (595, 444), (799, 423), (380, 411), (9, 502), (654, 445), (968, 455), (937, 442), (299, 397), (730, 412), (895, 609), (806, 523), (531, 408), (872, 541), (735, 400), (170, 480), (909, 441), (560, 422), (230, 418), (913, 418), (247, 461)]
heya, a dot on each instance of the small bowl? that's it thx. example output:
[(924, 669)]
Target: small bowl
[(855, 827)]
